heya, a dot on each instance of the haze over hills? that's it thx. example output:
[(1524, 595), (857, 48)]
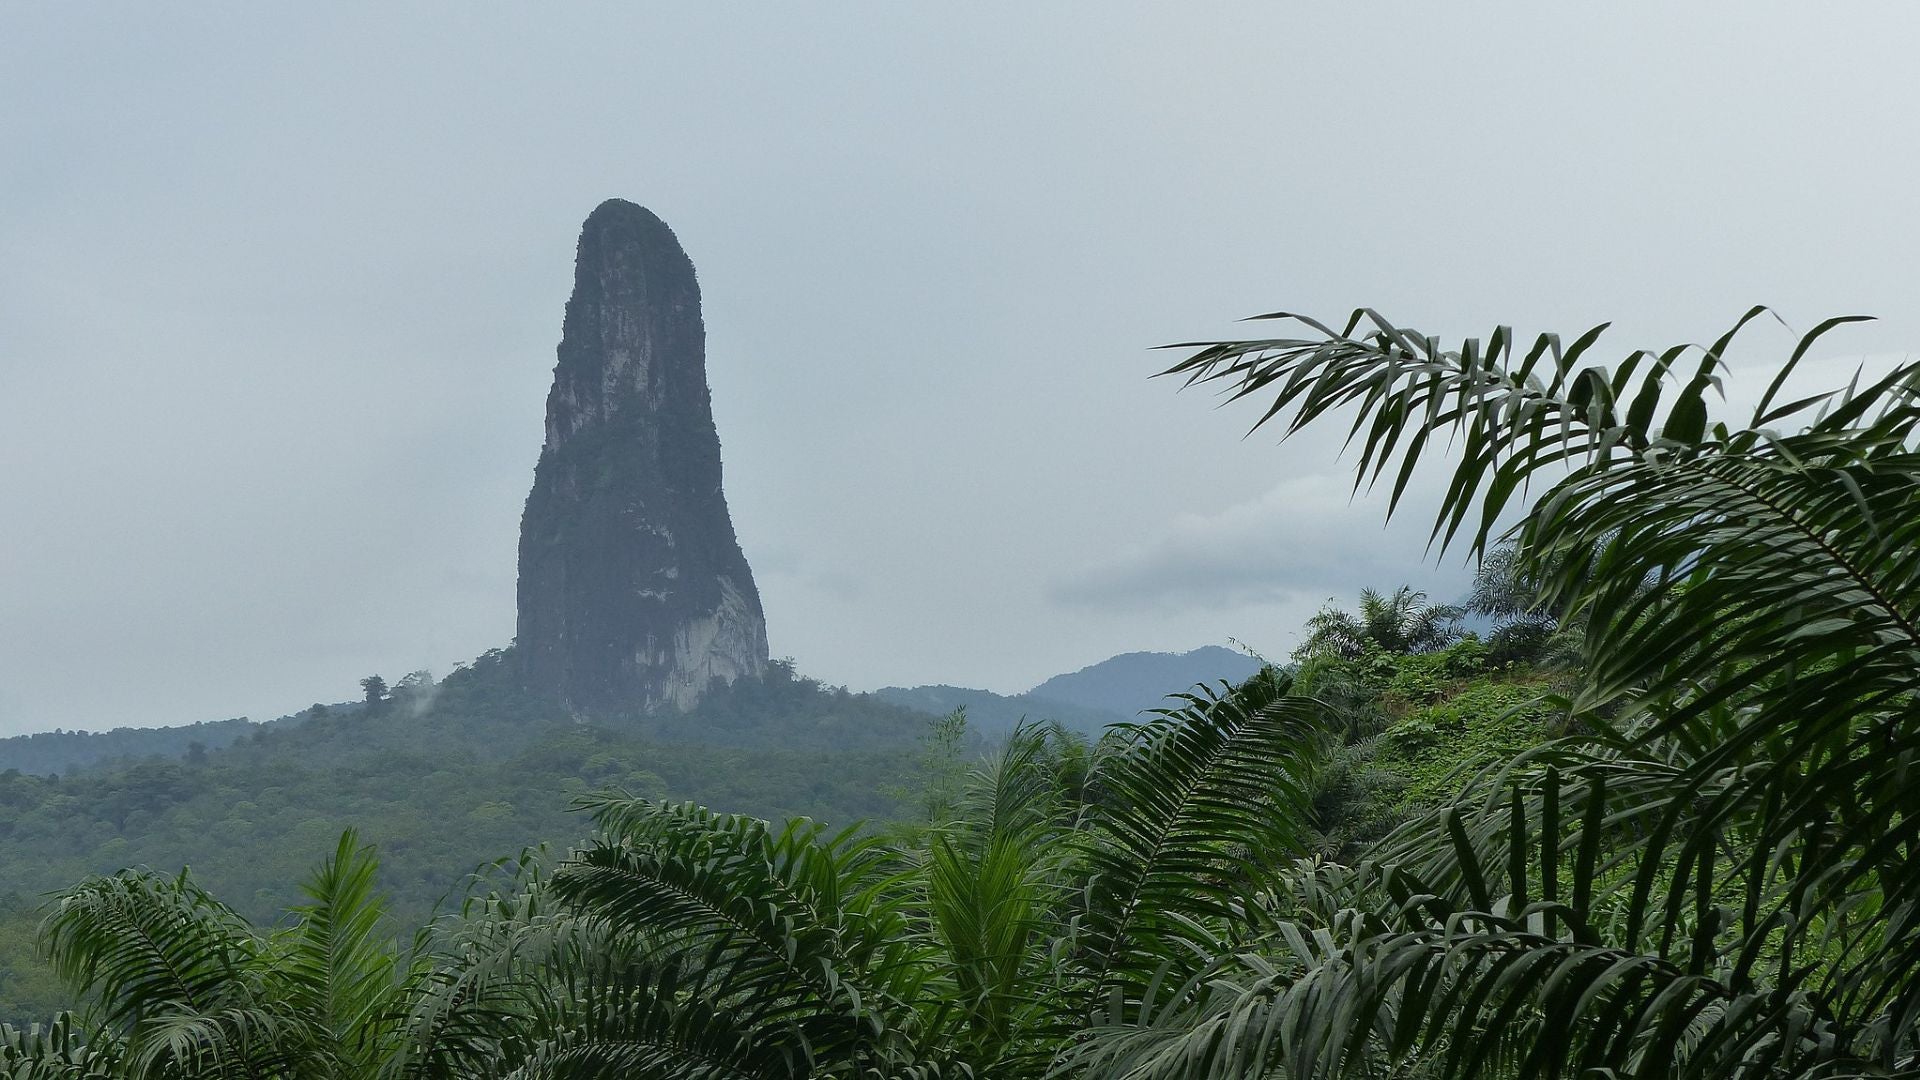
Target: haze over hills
[(1082, 700), (1131, 682), (640, 665), (1115, 690), (48, 752)]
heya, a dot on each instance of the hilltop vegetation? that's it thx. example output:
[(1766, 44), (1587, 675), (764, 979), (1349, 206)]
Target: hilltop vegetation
[(1114, 691), (1414, 854), (59, 752), (479, 771), (444, 778), (441, 786)]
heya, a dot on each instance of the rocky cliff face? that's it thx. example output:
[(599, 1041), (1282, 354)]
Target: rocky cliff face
[(633, 590)]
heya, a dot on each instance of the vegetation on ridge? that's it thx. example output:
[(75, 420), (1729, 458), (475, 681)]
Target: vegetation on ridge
[(480, 772), (1709, 873), (1690, 855)]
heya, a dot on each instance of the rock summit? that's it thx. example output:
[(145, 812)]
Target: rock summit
[(633, 593)]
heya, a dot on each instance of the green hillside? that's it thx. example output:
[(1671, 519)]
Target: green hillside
[(45, 752), (471, 770), (441, 784), (1132, 682), (1114, 691)]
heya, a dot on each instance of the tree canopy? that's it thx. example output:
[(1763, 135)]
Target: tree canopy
[(1688, 855)]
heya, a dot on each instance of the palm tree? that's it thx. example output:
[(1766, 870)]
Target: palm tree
[(1398, 622), (57, 1051), (1713, 876), (684, 943), (693, 945), (180, 986)]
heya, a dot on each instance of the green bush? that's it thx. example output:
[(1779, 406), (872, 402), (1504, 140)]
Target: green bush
[(1438, 748)]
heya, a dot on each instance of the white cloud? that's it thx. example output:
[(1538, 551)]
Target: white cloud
[(1305, 539)]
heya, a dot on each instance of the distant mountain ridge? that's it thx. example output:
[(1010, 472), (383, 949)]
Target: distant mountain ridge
[(991, 713), (1132, 682), (46, 752), (1112, 691), (1115, 690)]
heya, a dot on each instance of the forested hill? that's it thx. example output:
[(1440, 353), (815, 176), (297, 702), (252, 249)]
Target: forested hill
[(64, 751), (993, 713), (1132, 682), (443, 780), (457, 774), (1112, 691), (472, 770)]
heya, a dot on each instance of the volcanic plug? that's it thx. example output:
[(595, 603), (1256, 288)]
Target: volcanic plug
[(633, 593)]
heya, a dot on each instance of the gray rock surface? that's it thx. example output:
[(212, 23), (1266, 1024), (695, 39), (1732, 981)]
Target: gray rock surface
[(633, 591)]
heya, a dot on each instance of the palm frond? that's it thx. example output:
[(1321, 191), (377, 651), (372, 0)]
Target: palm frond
[(1512, 415), (142, 945), (60, 1050), (1195, 805), (799, 930), (661, 1021), (338, 966), (1710, 877), (995, 882)]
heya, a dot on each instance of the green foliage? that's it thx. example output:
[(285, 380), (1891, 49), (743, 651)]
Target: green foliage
[(31, 989), (1417, 727), (1068, 886), (58, 1050), (1437, 750), (940, 771), (1065, 890), (1423, 679), (177, 984), (1398, 622), (1063, 886), (442, 790), (1374, 688), (62, 752), (1708, 875)]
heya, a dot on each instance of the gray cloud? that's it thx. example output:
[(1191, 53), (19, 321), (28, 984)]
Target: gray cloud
[(279, 290), (1302, 541)]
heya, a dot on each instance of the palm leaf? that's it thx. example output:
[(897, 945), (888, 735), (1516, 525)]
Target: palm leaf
[(1194, 806), (338, 966), (1711, 877), (799, 931), (58, 1051), (995, 883)]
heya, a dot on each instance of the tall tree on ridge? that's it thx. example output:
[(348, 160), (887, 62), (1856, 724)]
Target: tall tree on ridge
[(1398, 622)]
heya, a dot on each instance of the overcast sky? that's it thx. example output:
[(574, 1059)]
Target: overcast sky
[(280, 288)]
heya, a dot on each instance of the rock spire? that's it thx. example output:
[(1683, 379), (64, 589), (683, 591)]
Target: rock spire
[(633, 592)]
